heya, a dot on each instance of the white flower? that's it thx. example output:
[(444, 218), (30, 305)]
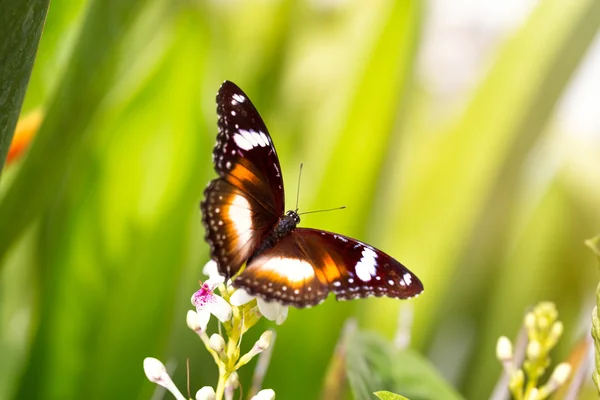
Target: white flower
[(207, 302), (265, 394), (211, 270), (273, 311), (157, 373)]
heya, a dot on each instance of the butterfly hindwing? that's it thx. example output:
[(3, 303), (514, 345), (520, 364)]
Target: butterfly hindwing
[(303, 267)]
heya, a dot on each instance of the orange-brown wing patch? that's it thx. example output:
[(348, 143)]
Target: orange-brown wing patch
[(285, 274), (234, 224)]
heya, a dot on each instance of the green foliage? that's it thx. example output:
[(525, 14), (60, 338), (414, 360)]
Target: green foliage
[(374, 364), (101, 243), (389, 396), (594, 244), (21, 24)]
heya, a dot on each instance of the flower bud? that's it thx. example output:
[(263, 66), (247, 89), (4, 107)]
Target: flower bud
[(233, 382), (533, 394), (264, 341), (192, 320), (217, 343), (560, 374), (157, 373), (504, 349), (534, 350), (265, 394), (517, 380), (530, 323), (154, 369), (206, 393), (555, 333)]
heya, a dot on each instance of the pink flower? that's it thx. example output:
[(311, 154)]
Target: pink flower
[(207, 303)]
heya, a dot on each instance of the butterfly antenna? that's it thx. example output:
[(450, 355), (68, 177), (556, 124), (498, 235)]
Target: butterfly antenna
[(327, 209), (298, 189)]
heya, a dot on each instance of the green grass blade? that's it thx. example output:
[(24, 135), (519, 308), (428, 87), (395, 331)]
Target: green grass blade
[(90, 73), (21, 24), (453, 173)]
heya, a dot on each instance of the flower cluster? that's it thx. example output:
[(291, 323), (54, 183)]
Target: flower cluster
[(543, 331), (237, 311)]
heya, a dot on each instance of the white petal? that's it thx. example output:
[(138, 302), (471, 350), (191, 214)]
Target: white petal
[(283, 313), (210, 269), (214, 281), (220, 308), (265, 394), (272, 311), (203, 317), (240, 297)]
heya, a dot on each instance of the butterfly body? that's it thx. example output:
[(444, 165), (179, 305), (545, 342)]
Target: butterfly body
[(284, 227), (243, 215)]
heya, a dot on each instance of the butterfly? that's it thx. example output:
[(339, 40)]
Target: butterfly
[(244, 220)]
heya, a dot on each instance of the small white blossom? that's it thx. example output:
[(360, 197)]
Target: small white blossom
[(157, 373), (273, 311), (265, 394), (207, 302)]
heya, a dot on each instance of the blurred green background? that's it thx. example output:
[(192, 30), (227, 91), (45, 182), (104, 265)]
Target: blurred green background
[(454, 132)]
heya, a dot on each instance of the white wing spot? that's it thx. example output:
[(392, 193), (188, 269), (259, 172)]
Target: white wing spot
[(239, 98), (233, 113), (407, 278), (292, 269), (241, 218), (228, 164), (366, 267), (391, 282), (255, 138), (337, 283), (242, 142), (296, 291), (350, 280)]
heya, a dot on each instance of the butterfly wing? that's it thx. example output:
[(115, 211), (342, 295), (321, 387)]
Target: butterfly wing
[(303, 267), (244, 204)]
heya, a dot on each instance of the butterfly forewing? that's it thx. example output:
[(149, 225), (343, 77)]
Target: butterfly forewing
[(244, 154), (247, 200), (302, 268)]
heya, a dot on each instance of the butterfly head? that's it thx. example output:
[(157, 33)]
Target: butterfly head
[(293, 215)]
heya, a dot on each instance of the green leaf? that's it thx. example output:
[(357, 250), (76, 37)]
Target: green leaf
[(594, 244), (383, 395), (21, 24), (373, 364)]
